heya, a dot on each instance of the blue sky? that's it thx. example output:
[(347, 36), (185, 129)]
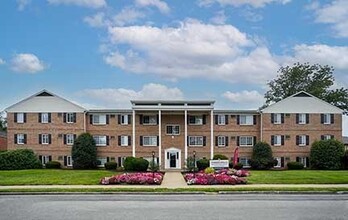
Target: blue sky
[(102, 53)]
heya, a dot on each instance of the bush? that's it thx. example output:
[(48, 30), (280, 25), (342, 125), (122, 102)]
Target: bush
[(202, 164), (18, 160), (190, 164), (128, 164), (52, 165), (295, 165), (327, 154), (84, 152), (238, 166), (209, 170), (262, 158), (110, 165), (153, 166), (135, 164), (220, 157)]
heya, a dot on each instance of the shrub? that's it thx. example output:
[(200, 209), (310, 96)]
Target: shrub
[(220, 157), (327, 154), (293, 165), (135, 164), (190, 164), (52, 165), (18, 160), (128, 163), (110, 165), (262, 158), (153, 166), (238, 166), (202, 164), (209, 170), (84, 152)]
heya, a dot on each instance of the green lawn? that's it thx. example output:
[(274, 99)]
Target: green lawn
[(53, 177), (298, 177)]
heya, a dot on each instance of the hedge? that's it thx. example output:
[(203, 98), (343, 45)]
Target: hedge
[(262, 158), (135, 164), (293, 165), (19, 159), (327, 154), (110, 165), (52, 165), (202, 164)]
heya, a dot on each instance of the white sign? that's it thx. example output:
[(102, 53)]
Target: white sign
[(219, 163)]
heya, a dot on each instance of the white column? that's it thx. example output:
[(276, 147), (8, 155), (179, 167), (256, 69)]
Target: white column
[(159, 136), (261, 127), (185, 135), (211, 134), (133, 130)]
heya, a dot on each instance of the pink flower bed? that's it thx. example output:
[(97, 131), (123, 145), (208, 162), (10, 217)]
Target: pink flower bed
[(225, 176), (134, 178)]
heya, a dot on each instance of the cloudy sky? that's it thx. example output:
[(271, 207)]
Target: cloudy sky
[(103, 53)]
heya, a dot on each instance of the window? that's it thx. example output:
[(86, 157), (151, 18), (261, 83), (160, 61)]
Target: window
[(245, 161), (221, 119), (45, 139), (100, 140), (246, 141), (124, 140), (327, 137), (99, 119), (303, 160), (44, 159), (120, 161), (302, 119), (20, 139), (173, 129), (20, 117), (101, 161), (302, 140), (279, 162), (124, 119), (69, 138), (246, 119), (196, 119), (277, 140), (70, 117), (221, 141), (149, 119), (326, 119), (196, 140), (150, 141), (69, 161), (277, 118), (44, 117)]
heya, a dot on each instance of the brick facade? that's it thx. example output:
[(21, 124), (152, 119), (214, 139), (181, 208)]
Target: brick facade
[(3, 141)]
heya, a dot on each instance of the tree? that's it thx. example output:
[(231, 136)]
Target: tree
[(3, 124), (327, 154), (262, 158), (314, 79), (84, 152)]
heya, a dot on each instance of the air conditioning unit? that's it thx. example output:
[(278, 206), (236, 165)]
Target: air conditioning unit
[(60, 135), (112, 137), (60, 114), (287, 137), (233, 137), (287, 115), (112, 116), (233, 116)]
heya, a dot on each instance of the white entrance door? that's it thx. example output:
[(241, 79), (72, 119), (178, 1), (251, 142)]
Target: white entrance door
[(173, 158)]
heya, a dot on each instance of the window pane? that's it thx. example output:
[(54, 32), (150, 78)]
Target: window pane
[(20, 117)]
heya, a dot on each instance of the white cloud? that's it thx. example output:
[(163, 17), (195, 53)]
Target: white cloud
[(160, 5), (2, 61), (83, 3), (27, 63), (334, 13), (219, 18), (97, 20), (238, 3), (252, 98), (22, 4), (127, 16), (121, 97)]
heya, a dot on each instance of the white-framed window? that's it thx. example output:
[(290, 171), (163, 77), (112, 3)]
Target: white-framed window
[(20, 139), (277, 118), (327, 119), (45, 138), (100, 140), (246, 119), (245, 161), (101, 161), (173, 130), (303, 160), (221, 120), (70, 139), (195, 140), (124, 120), (302, 140), (124, 140), (279, 162), (45, 159), (44, 117), (99, 119), (149, 119), (302, 119), (221, 141), (277, 140), (20, 117), (326, 137), (196, 119), (150, 141), (246, 141), (70, 117), (69, 161)]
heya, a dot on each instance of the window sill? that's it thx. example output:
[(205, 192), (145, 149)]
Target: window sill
[(246, 146), (195, 145), (99, 124)]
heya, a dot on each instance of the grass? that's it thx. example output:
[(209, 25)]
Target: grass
[(299, 177), (53, 177)]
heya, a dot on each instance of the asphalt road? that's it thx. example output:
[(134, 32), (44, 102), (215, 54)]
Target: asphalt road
[(138, 207)]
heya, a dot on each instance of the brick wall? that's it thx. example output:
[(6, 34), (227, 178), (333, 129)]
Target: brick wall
[(3, 143)]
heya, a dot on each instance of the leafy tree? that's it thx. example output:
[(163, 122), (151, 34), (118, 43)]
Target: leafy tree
[(3, 124), (327, 154), (262, 158), (84, 152), (314, 79)]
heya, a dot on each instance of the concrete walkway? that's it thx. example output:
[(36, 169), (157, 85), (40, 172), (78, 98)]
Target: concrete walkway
[(173, 180)]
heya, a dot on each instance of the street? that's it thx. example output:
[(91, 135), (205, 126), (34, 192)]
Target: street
[(117, 206)]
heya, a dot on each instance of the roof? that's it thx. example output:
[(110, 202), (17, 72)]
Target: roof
[(302, 102), (110, 111), (199, 105)]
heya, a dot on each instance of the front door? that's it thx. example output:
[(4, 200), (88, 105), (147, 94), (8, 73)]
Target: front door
[(172, 158)]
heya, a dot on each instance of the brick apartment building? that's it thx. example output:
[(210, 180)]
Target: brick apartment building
[(172, 130), (3, 141)]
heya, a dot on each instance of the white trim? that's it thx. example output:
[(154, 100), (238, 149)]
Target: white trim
[(133, 134), (178, 159), (212, 134), (185, 135), (159, 136)]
